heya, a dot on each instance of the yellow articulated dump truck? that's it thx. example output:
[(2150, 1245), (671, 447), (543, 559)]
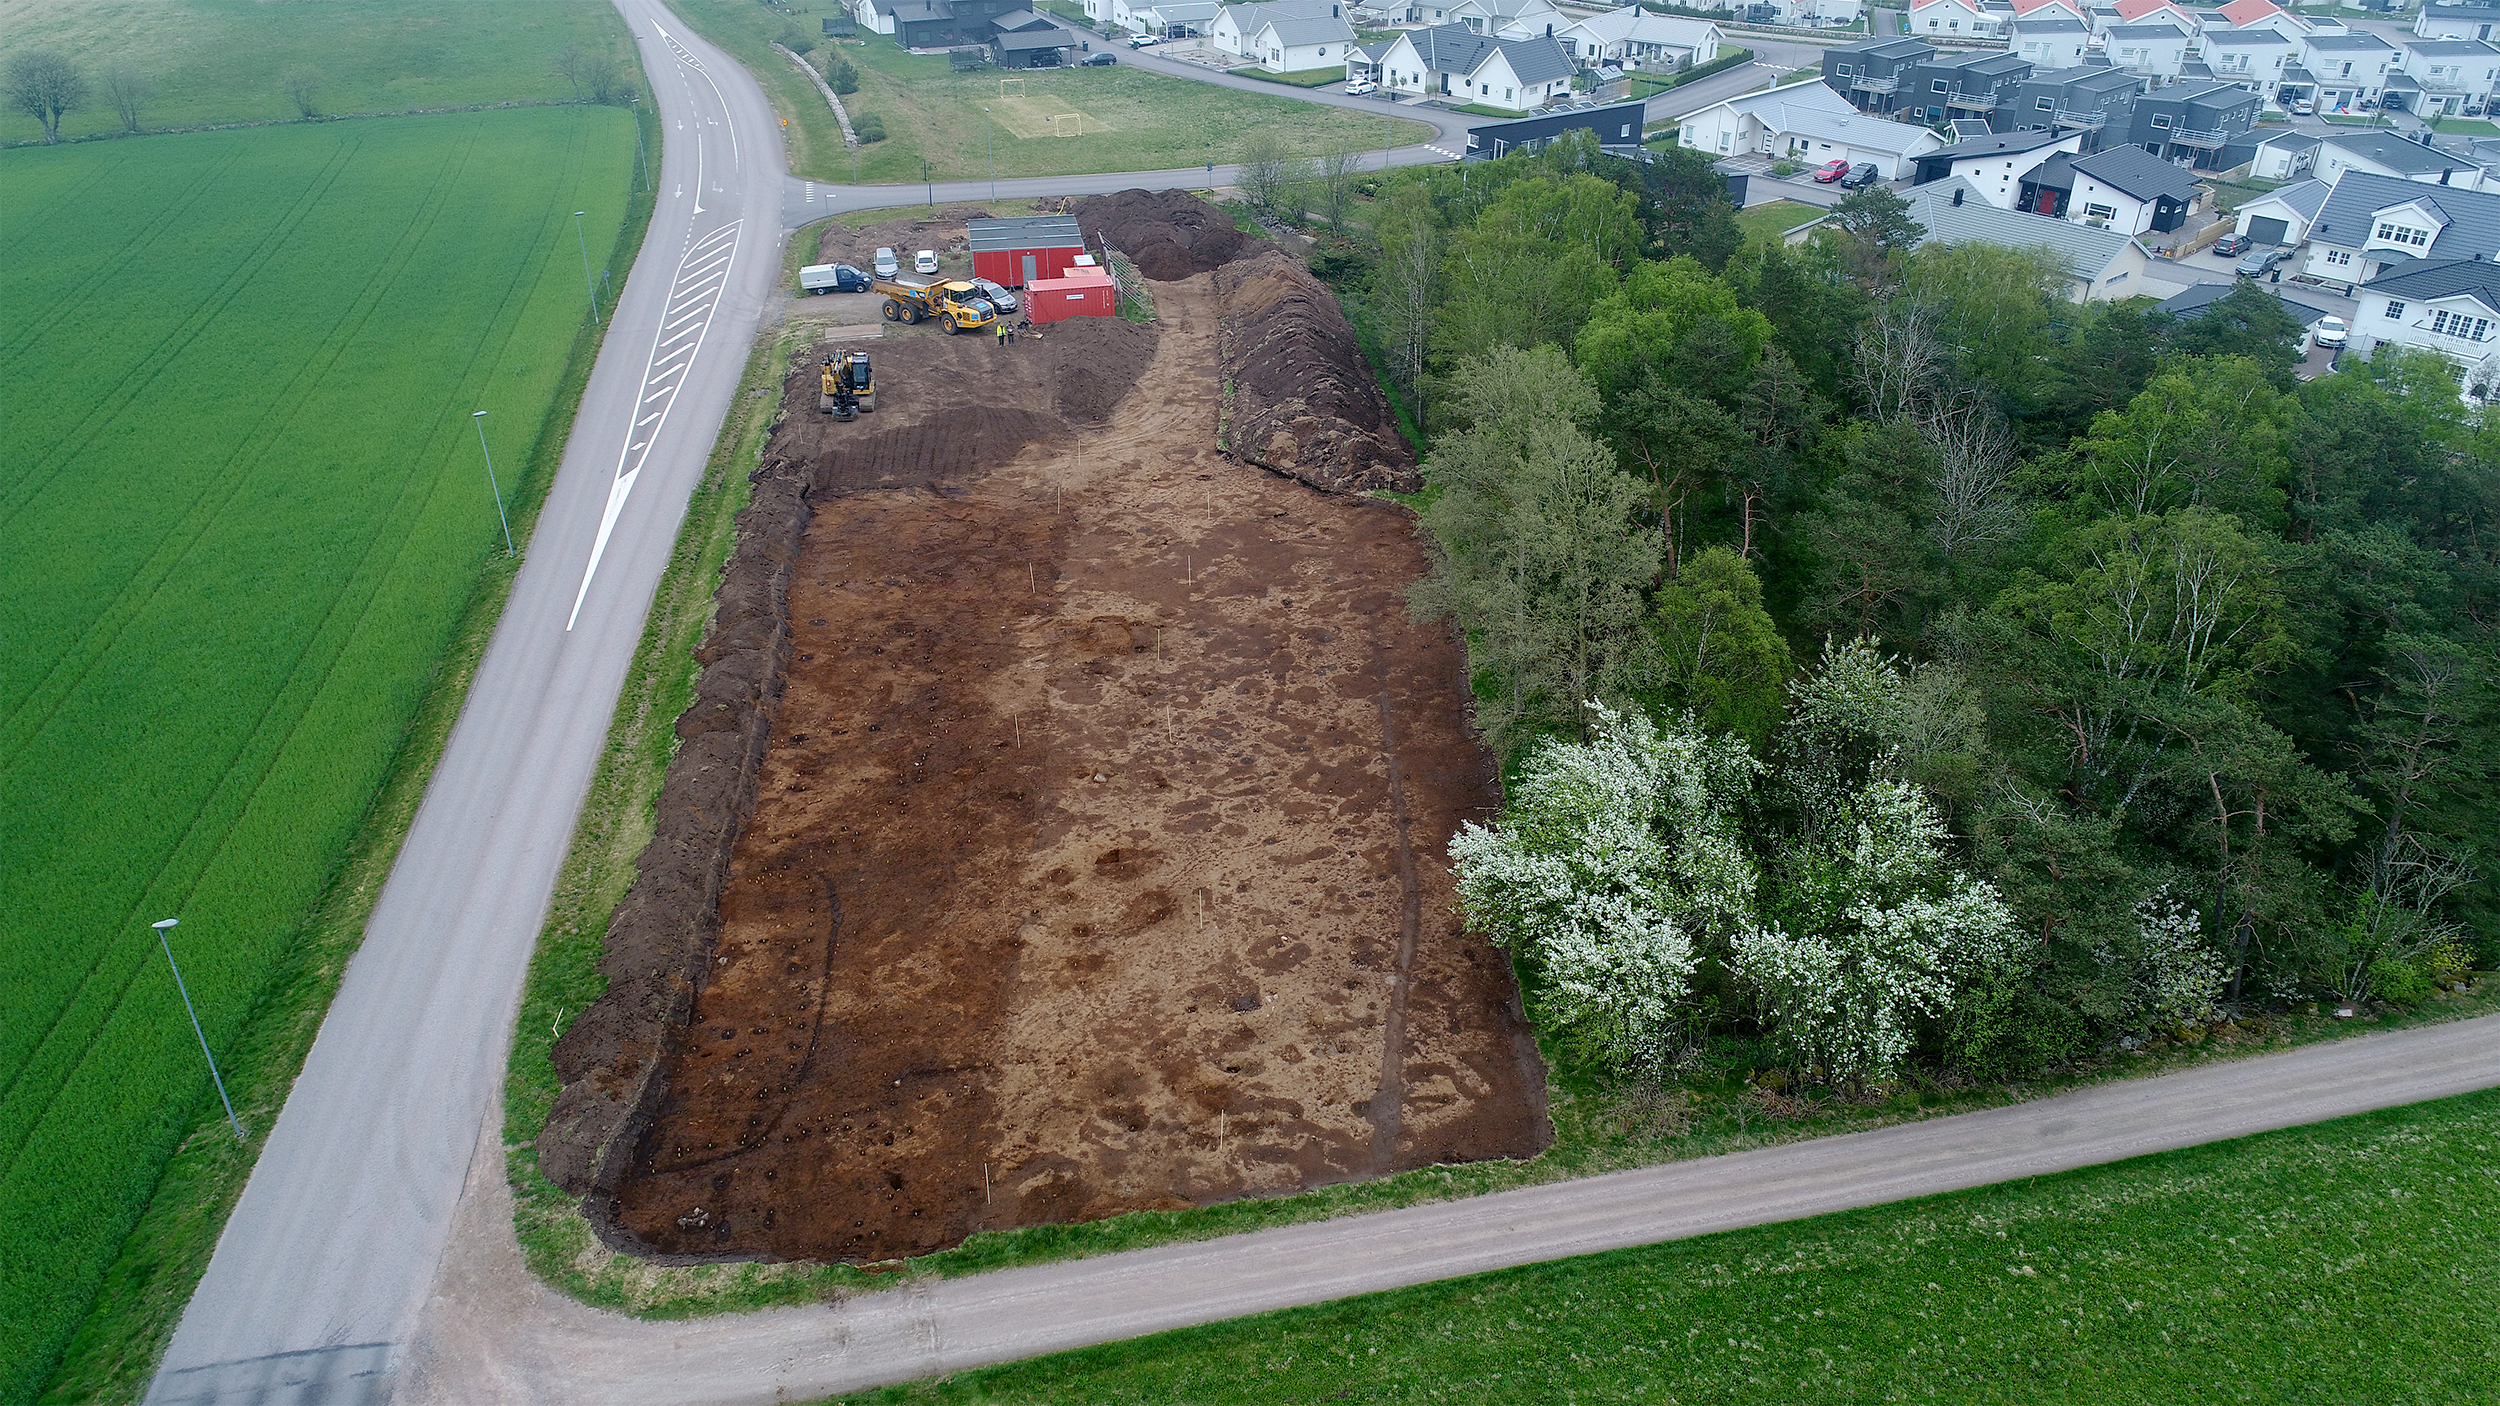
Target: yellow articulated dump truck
[(958, 306)]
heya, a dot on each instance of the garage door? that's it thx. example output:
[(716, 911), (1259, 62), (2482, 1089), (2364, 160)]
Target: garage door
[(2267, 231)]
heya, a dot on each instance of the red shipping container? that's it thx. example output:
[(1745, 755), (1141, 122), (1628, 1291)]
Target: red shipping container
[(1013, 252), (1088, 293)]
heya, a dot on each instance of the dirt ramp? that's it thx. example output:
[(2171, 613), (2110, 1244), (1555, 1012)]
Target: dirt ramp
[(1168, 234), (1303, 401)]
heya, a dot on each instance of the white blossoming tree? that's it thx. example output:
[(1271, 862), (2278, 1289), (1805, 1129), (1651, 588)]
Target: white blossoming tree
[(1880, 932), (1616, 864), (2174, 976)]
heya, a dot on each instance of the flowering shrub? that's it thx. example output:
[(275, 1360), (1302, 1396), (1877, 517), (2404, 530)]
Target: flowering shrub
[(2174, 974), (1885, 932), (1616, 859)]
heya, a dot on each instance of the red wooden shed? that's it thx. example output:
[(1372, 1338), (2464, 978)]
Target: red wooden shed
[(1083, 293), (1015, 252)]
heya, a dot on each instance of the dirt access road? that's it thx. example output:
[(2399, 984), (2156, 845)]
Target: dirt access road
[(493, 1333), (1098, 860)]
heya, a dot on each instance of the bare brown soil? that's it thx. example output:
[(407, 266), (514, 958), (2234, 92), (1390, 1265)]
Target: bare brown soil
[(1096, 859), (1168, 234), (1300, 396)]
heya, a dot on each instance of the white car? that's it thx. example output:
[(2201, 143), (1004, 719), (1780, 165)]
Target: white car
[(885, 264), (999, 298), (924, 262), (1356, 88), (1144, 41), (2331, 332)]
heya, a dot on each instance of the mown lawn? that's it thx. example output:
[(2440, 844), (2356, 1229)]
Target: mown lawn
[(1061, 122), (247, 514), (2351, 1261), (1769, 222), (218, 61)]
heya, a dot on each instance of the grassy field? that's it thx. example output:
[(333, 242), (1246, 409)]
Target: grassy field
[(1129, 119), (2466, 127), (251, 521), (218, 61), (1767, 222), (1306, 78), (2346, 1262)]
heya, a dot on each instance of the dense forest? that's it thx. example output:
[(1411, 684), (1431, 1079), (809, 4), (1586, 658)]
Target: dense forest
[(1895, 664)]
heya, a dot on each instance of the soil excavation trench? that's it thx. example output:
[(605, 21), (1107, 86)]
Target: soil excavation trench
[(1096, 860)]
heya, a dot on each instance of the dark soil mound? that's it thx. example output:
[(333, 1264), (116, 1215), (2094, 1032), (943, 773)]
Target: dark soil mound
[(1303, 400), (1168, 234)]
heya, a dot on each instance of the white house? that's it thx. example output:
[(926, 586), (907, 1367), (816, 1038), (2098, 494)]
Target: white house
[(878, 15), (2285, 156), (2282, 217), (2383, 153), (2253, 58), (2373, 225), (2052, 9), (2451, 74), (1452, 60), (1512, 19), (2132, 191), (2049, 41), (1951, 19), (2348, 67), (2155, 49), (2265, 15), (2099, 263), (1300, 46), (1634, 38), (2457, 22), (2135, 12), (1994, 166), (2448, 306), (1807, 123), (1235, 28), (1809, 14)]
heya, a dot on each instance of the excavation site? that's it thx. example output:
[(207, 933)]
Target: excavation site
[(1061, 826)]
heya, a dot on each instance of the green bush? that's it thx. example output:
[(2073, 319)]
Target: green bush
[(840, 73), (2010, 1031), (1783, 167), (795, 39), (869, 126), (2399, 982)]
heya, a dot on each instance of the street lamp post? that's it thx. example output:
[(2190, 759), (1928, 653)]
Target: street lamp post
[(587, 281), (220, 1079), (932, 185), (993, 135), (635, 102), (479, 419)]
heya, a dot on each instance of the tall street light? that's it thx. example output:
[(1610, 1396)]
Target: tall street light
[(479, 419), (220, 1079), (587, 281), (993, 134), (635, 102)]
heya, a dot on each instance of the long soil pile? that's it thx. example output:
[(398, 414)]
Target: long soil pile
[(1303, 401), (1096, 859), (1168, 234)]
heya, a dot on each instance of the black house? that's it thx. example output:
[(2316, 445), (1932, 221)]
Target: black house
[(1615, 126), (1023, 39), (943, 24), (1946, 86), (1874, 74), (2098, 101), (2193, 122)]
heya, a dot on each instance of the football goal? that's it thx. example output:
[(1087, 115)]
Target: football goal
[(1067, 124), (1011, 85)]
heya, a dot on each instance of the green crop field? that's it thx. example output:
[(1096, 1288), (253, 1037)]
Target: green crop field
[(220, 61), (246, 511), (1047, 122), (2348, 1262)]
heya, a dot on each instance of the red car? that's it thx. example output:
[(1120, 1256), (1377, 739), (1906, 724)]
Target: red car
[(1831, 171)]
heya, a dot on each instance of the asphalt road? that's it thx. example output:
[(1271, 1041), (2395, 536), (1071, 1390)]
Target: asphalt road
[(321, 1270), (495, 1334)]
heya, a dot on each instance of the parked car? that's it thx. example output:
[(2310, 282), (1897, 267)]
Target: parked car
[(1144, 41), (832, 278), (996, 296), (1099, 60), (885, 264), (2331, 332), (1861, 175), (1831, 171), (924, 262), (2255, 262), (2304, 108), (2231, 245), (1357, 87)]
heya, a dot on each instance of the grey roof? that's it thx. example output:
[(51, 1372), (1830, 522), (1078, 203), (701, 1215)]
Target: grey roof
[(2049, 24), (917, 11), (1537, 60), (2145, 31), (1028, 232), (2394, 152), (2193, 301), (1025, 41), (2473, 216), (1018, 19), (2291, 141), (2303, 196), (2442, 48), (2443, 278), (2057, 173), (2002, 144), (1896, 47), (2340, 43), (2139, 173), (2401, 81), (1376, 50), (2086, 252), (1321, 29), (1454, 48), (2242, 38)]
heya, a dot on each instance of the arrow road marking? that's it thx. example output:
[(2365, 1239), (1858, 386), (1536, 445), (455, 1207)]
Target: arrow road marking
[(702, 273)]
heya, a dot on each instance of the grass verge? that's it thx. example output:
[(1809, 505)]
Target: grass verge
[(1767, 223), (2343, 1262), (2465, 127), (1305, 78), (115, 1349)]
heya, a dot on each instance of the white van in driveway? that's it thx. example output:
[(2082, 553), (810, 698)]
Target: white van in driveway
[(886, 264)]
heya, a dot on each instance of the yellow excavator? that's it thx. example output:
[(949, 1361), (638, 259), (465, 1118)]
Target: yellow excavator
[(958, 306), (848, 388)]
